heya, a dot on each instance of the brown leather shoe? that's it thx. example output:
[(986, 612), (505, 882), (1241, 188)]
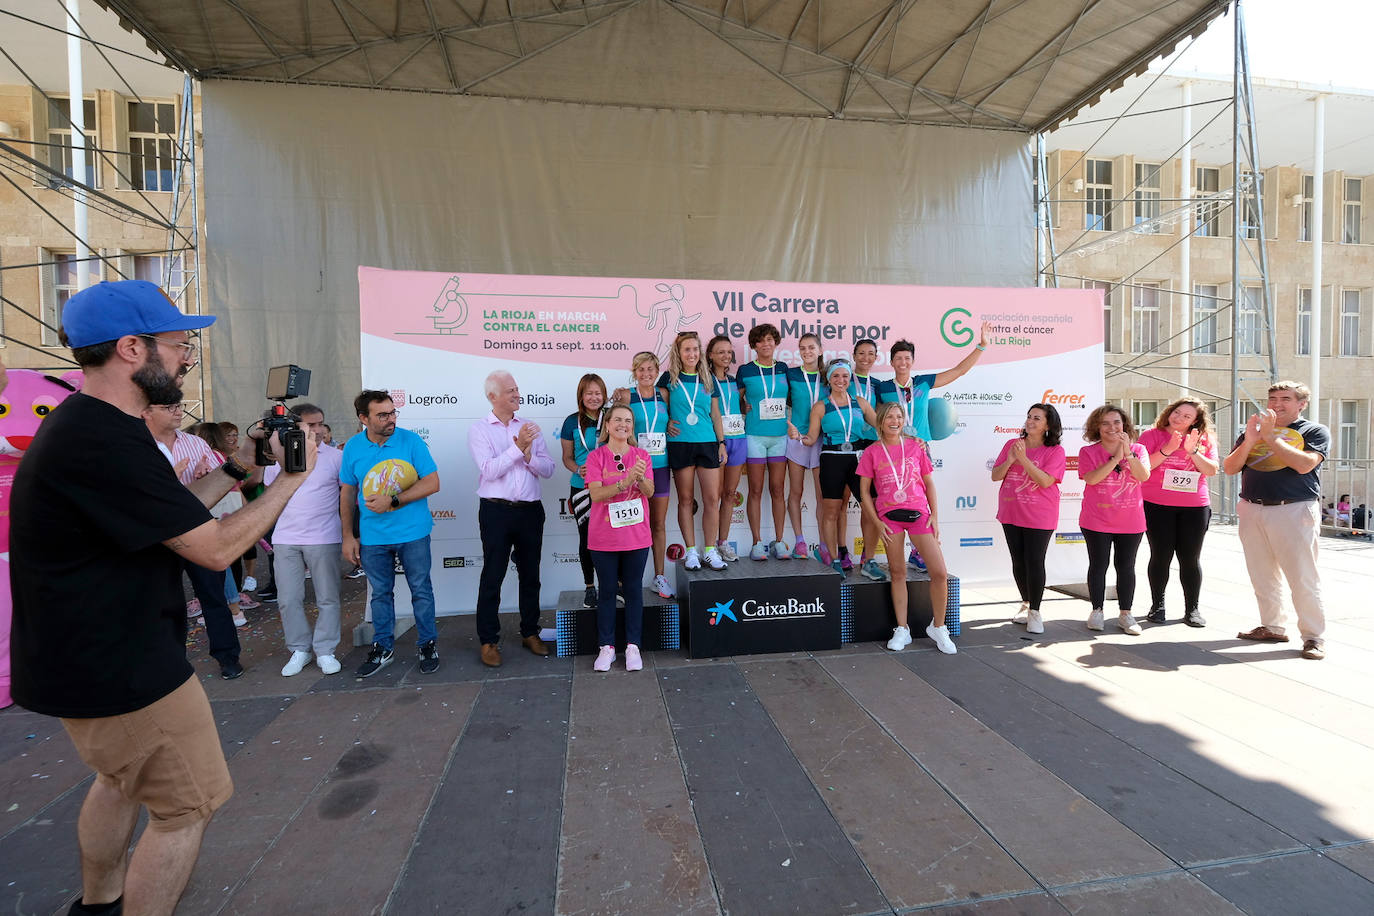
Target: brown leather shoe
[(1313, 650), (536, 645), (491, 655)]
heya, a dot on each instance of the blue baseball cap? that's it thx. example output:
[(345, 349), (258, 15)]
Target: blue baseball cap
[(110, 310)]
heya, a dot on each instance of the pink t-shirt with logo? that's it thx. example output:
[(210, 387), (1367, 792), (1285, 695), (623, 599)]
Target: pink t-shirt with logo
[(1115, 505), (1022, 501), (908, 464), (1185, 490), (601, 469)]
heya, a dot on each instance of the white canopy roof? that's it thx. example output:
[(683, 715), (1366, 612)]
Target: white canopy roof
[(1005, 64)]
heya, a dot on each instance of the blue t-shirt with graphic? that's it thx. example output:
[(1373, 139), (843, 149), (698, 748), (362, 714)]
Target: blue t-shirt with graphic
[(687, 398), (805, 388), (389, 467), (582, 434), (915, 397), (756, 383), (651, 416), (729, 401), (866, 387)]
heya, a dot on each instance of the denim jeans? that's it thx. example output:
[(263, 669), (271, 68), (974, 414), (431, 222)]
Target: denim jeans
[(379, 564), (614, 567)]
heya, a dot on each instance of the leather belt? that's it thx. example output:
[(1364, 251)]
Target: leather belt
[(511, 503), (1277, 502)]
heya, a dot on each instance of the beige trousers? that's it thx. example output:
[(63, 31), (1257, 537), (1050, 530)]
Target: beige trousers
[(1280, 542)]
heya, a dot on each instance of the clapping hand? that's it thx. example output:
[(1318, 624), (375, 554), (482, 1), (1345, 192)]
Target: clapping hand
[(1190, 443), (1018, 451), (525, 438), (1267, 419), (1175, 441)]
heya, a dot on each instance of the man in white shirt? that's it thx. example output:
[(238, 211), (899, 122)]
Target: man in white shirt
[(309, 536)]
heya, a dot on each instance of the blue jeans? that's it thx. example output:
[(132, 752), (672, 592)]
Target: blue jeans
[(379, 564)]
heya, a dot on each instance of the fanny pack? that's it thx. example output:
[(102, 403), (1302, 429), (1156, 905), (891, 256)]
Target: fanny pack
[(905, 516)]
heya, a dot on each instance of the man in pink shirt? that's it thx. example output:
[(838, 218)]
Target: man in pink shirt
[(309, 536), (192, 459), (511, 458)]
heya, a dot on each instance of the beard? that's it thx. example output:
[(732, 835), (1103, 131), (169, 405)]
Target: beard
[(157, 384)]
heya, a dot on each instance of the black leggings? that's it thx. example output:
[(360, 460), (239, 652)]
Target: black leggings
[(1100, 546), (1028, 547), (1176, 531), (580, 504)]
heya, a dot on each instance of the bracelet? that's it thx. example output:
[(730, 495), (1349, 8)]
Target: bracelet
[(235, 470), (981, 347)]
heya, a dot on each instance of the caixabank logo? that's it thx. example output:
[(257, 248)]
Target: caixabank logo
[(722, 611), (752, 610)]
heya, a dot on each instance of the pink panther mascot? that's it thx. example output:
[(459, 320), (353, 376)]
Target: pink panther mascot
[(24, 402)]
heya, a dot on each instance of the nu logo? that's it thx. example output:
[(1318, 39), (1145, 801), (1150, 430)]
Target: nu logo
[(966, 502)]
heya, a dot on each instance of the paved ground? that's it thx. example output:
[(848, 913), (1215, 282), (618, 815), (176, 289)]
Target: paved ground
[(1182, 771)]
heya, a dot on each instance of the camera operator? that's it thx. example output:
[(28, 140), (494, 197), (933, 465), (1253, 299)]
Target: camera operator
[(101, 527)]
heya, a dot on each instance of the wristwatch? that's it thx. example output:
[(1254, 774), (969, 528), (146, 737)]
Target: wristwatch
[(396, 501), (235, 470)]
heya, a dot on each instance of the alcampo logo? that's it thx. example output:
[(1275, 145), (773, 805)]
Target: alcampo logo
[(953, 329), (722, 611)]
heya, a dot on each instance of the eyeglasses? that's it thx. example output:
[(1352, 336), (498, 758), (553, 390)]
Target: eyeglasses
[(170, 408), (192, 350), (387, 415)]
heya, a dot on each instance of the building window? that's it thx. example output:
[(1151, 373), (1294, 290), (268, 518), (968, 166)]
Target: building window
[(59, 285), (1304, 321), (1205, 317), (1305, 229), (1145, 318), (152, 125), (1350, 322), (165, 271), (1099, 195), (60, 141), (1251, 324), (1106, 289), (1147, 194), (1347, 445), (1144, 414), (1350, 232), (1251, 191), (1207, 218)]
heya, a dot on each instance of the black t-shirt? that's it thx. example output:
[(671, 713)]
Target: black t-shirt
[(1265, 477), (99, 613)]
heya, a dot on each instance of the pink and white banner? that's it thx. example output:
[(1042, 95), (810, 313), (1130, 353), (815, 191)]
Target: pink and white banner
[(431, 338)]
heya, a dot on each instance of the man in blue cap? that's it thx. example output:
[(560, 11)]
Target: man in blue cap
[(101, 526)]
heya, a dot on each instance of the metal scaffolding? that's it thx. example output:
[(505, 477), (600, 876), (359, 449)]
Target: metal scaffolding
[(1252, 368), (35, 168)]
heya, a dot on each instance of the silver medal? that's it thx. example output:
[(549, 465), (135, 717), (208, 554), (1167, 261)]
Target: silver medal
[(847, 447), (899, 496), (691, 419)]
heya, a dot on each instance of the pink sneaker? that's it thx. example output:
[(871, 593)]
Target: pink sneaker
[(603, 661), (193, 608), (246, 602), (240, 620), (632, 660)]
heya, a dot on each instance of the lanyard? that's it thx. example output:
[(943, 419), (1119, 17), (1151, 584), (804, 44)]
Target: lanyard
[(846, 417), (813, 390), (691, 398), (582, 432), (725, 386), (769, 386), (648, 427), (867, 394), (898, 471)]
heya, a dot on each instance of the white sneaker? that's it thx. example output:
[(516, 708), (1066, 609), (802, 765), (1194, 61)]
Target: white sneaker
[(603, 661), (1020, 615), (693, 560), (328, 664), (781, 551), (250, 584), (941, 637), (727, 553), (901, 638), (662, 587), (1095, 619), (714, 559), (297, 664), (633, 662), (1128, 624), (1034, 622)]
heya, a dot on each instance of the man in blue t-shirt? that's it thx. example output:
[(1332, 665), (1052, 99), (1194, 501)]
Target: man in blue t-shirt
[(387, 476)]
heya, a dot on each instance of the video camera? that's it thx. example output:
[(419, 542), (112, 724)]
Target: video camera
[(284, 383)]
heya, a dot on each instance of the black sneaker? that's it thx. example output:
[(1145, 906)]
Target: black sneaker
[(429, 658), (1156, 614), (230, 670), (377, 659), (589, 596), (1193, 617), (267, 594)]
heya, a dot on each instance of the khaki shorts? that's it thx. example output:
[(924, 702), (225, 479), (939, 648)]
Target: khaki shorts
[(165, 756)]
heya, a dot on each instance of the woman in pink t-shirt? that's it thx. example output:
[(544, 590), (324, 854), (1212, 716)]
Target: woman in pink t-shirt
[(1031, 468), (1183, 453), (1112, 517), (898, 495), (620, 478)]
